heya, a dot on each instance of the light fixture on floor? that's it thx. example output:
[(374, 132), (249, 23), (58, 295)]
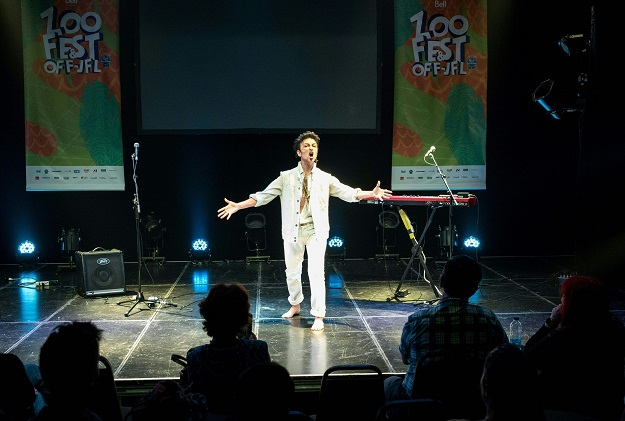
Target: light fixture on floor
[(336, 249), (154, 238), (386, 234), (27, 253), (256, 236), (447, 241), (200, 253), (70, 243), (471, 245)]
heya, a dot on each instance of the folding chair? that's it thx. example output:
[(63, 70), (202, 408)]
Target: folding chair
[(106, 403), (453, 377), (350, 391)]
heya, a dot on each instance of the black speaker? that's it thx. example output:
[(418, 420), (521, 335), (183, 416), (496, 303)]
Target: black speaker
[(100, 273)]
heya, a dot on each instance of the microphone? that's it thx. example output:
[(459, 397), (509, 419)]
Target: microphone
[(408, 226), (136, 151), (429, 152)]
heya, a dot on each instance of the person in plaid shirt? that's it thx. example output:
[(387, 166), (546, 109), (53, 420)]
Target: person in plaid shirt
[(452, 323)]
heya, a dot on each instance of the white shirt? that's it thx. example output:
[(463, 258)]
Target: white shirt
[(321, 186)]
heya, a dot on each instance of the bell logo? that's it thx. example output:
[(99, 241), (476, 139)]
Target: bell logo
[(440, 4)]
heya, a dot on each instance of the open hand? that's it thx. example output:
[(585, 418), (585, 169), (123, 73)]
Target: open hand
[(380, 193), (228, 210)]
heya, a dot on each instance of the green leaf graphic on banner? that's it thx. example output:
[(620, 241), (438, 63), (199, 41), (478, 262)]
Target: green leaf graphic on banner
[(465, 125), (99, 120)]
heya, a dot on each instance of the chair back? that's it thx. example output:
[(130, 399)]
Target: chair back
[(106, 402), (350, 391), (452, 377), (411, 410)]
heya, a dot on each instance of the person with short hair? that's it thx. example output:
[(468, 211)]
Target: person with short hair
[(69, 365), (452, 323), (304, 193)]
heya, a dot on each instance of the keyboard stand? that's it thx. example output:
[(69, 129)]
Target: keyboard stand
[(416, 250)]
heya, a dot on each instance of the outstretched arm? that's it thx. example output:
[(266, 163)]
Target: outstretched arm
[(232, 207), (377, 193)]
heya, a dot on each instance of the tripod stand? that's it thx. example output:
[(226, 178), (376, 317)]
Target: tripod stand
[(151, 302)]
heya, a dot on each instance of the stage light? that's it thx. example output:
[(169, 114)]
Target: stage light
[(154, 234), (386, 233), (70, 243), (558, 101), (336, 248), (554, 102), (256, 236), (447, 241), (471, 246), (27, 253), (471, 242), (200, 252), (574, 44)]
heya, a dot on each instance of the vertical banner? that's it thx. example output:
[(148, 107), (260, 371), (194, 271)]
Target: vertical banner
[(72, 95), (439, 95)]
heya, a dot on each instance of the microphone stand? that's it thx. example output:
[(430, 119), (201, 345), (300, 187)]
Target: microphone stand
[(452, 202), (139, 297)]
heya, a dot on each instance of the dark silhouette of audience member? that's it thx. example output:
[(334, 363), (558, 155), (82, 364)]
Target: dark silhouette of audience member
[(453, 323), (580, 352), (68, 361), (265, 391), (17, 394), (509, 386), (214, 368)]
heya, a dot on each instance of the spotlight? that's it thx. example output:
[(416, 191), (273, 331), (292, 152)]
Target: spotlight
[(200, 253), (386, 233), (27, 254), (154, 232), (447, 241), (336, 248), (558, 102), (573, 44), (70, 243), (471, 245), (256, 236), (471, 242)]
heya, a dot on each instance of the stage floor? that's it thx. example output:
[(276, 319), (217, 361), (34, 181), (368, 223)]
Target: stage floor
[(363, 323)]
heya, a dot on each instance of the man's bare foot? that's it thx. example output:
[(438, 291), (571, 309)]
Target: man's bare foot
[(293, 311), (318, 324)]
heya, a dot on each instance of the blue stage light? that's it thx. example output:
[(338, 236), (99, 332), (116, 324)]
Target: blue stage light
[(200, 252), (471, 242)]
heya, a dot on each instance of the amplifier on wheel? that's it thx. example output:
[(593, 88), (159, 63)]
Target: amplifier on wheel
[(100, 273)]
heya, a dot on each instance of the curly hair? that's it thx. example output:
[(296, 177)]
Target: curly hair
[(225, 309), (306, 135)]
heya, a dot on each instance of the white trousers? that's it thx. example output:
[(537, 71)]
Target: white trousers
[(293, 259)]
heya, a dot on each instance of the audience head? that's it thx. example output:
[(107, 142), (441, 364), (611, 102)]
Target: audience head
[(17, 395), (69, 360), (225, 310), (264, 390), (509, 384), (584, 301), (461, 276)]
